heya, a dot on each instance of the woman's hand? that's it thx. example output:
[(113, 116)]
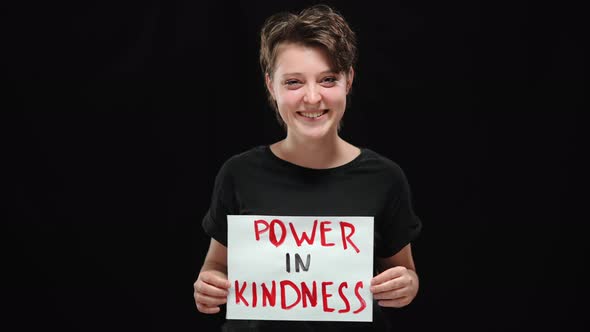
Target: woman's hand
[(395, 287), (211, 290)]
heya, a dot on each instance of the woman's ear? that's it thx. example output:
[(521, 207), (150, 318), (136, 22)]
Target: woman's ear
[(349, 79), (269, 85)]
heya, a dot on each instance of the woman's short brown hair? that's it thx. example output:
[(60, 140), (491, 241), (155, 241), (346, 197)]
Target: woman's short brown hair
[(318, 26)]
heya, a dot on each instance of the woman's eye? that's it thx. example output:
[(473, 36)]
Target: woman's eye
[(291, 82), (329, 81)]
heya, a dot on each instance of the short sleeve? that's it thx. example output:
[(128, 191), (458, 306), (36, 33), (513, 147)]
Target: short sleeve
[(399, 225), (222, 203)]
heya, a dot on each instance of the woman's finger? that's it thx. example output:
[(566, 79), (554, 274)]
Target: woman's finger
[(397, 303), (391, 295), (209, 300), (389, 285), (207, 310), (215, 280), (211, 290)]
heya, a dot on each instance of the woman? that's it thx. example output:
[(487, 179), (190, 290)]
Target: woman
[(308, 62)]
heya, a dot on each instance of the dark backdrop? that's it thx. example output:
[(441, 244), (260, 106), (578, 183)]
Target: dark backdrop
[(122, 113)]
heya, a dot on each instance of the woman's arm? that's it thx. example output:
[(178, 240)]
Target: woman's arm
[(211, 287), (216, 258)]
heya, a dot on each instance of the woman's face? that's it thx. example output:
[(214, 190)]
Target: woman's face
[(311, 98)]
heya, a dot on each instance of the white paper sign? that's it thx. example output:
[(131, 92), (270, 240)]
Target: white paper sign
[(300, 268)]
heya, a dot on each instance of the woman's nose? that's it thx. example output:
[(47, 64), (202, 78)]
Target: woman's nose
[(312, 95)]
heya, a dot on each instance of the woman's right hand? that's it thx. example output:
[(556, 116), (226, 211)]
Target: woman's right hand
[(211, 290)]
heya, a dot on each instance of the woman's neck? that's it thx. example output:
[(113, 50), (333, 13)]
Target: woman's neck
[(327, 152)]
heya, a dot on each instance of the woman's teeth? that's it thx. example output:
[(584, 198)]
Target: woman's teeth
[(312, 115)]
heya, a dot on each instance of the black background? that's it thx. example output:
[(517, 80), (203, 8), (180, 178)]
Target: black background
[(122, 113)]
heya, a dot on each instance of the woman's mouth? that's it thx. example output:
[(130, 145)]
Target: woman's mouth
[(312, 115)]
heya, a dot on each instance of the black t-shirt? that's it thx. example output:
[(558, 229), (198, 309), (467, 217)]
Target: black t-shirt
[(257, 182)]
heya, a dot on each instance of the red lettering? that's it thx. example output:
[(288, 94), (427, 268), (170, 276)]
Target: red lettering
[(323, 230), (304, 237), (306, 294), (240, 292), (254, 295), (346, 238), (284, 297), (359, 297), (269, 296), (273, 235), (343, 297), (325, 296), (258, 231)]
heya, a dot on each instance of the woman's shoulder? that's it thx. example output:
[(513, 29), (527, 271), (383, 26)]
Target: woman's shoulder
[(244, 159), (254, 153), (380, 159), (383, 164)]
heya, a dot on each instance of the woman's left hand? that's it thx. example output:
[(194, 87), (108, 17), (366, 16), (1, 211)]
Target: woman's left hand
[(395, 287)]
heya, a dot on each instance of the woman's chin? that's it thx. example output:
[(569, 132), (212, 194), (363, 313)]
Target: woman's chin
[(314, 133)]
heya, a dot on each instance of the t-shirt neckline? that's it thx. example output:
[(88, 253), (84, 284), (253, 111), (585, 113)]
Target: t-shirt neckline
[(291, 165)]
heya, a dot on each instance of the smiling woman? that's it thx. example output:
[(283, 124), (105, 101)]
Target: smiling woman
[(317, 28), (307, 60), (309, 95)]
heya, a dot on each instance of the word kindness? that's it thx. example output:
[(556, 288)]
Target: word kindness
[(300, 268), (304, 295)]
